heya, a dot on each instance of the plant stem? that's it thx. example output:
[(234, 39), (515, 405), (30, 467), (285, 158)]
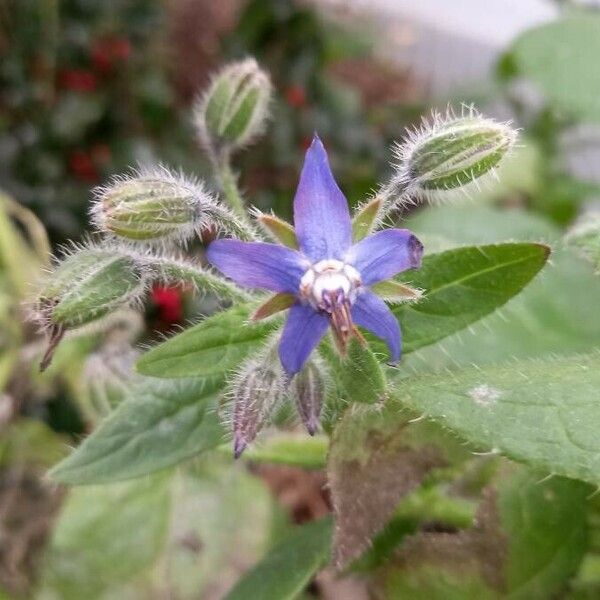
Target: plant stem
[(228, 183), (433, 504)]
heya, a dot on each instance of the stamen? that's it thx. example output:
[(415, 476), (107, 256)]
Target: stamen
[(331, 287)]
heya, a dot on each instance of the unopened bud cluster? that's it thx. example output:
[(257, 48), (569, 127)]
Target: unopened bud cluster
[(258, 390), (234, 109), (447, 154)]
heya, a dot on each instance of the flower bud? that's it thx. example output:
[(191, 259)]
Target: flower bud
[(584, 238), (157, 206), (88, 285), (152, 206), (308, 389), (449, 153), (234, 109), (255, 392)]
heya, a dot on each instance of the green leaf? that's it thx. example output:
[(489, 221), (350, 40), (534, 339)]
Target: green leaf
[(545, 523), (222, 521), (290, 565), (463, 285), (209, 349), (561, 59), (160, 424), (544, 413), (106, 535), (528, 539), (546, 318), (359, 375), (297, 450)]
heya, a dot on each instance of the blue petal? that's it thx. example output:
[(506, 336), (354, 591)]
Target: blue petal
[(258, 265), (385, 254), (321, 215), (303, 330), (372, 313)]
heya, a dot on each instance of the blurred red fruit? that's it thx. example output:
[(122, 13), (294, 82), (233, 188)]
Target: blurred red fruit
[(169, 303), (108, 51), (305, 143), (295, 96), (101, 154), (78, 80), (82, 166)]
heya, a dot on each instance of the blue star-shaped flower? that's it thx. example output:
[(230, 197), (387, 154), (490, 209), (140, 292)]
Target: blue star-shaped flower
[(329, 276)]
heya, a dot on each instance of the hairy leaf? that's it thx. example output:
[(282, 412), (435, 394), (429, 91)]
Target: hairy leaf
[(545, 413), (377, 456), (358, 374), (546, 318), (286, 570), (463, 285), (160, 424), (211, 348)]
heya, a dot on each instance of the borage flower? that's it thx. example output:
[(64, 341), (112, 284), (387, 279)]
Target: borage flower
[(328, 279)]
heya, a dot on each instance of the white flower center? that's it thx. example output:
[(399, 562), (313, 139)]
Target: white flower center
[(330, 283)]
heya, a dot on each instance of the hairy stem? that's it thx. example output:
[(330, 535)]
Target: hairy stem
[(228, 183)]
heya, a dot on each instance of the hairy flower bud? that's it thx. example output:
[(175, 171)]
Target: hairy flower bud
[(255, 392), (157, 206), (449, 153), (234, 109), (87, 285), (308, 389), (584, 238)]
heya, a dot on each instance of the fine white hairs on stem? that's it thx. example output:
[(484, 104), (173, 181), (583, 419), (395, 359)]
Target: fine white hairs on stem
[(179, 271), (445, 154)]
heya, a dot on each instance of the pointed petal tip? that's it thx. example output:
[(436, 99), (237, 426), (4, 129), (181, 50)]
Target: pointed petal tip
[(239, 445), (317, 147), (416, 251), (312, 426)]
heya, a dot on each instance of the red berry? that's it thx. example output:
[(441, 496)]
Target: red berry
[(82, 166), (78, 80), (107, 51), (169, 303), (295, 96)]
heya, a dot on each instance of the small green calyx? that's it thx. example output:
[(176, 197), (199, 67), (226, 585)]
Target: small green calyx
[(87, 286), (450, 153)]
